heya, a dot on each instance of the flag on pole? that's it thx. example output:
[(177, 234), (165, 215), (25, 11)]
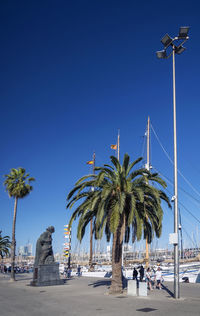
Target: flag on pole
[(113, 147), (91, 162)]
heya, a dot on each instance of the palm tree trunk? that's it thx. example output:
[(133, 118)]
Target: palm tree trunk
[(13, 244), (117, 280)]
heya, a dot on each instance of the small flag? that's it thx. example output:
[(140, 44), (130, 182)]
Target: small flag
[(113, 147), (91, 162)]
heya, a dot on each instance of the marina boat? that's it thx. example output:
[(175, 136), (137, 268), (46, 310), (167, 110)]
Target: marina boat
[(187, 273)]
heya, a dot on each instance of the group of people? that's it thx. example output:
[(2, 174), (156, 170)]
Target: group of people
[(68, 271), (152, 277), (17, 269), (141, 272)]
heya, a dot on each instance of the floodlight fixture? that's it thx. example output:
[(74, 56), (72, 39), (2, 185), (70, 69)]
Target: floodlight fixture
[(183, 32), (180, 49), (166, 41), (161, 54)]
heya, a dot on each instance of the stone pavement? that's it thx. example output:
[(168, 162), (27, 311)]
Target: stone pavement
[(89, 296)]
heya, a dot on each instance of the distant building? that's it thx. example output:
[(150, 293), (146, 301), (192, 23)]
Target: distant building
[(25, 251)]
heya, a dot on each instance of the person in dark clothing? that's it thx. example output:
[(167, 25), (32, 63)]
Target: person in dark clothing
[(141, 273), (79, 270), (135, 274)]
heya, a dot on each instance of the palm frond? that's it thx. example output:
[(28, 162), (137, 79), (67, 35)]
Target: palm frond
[(114, 217), (133, 164), (116, 163), (84, 178), (139, 172), (125, 163)]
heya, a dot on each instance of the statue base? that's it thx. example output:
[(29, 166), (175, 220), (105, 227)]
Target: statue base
[(46, 275)]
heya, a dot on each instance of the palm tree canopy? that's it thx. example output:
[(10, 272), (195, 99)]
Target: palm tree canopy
[(4, 245), (17, 183), (118, 193)]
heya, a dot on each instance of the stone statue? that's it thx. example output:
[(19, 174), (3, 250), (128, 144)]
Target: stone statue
[(46, 270), (44, 251)]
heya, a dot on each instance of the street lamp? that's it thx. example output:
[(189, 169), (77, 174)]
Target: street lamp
[(174, 46)]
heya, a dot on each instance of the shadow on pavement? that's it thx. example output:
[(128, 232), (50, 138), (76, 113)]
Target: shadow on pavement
[(167, 290), (25, 279), (19, 278), (107, 283), (100, 283)]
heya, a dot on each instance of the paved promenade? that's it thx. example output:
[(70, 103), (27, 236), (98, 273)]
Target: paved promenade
[(89, 296)]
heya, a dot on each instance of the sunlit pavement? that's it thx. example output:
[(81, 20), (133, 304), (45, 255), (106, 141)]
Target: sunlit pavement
[(89, 296)]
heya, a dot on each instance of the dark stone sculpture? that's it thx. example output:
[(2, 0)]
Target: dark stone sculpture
[(46, 270), (44, 251)]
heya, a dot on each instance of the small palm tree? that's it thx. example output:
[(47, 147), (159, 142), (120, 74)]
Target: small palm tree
[(4, 245), (119, 200), (18, 186)]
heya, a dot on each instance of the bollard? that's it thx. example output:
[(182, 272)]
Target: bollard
[(142, 289), (132, 288)]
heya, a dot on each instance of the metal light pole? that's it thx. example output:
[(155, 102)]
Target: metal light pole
[(176, 48), (176, 248)]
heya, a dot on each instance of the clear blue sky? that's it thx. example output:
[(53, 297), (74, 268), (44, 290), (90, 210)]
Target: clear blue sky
[(72, 74)]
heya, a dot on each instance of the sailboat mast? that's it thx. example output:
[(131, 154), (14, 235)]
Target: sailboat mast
[(91, 225), (118, 156), (180, 229), (118, 144), (148, 168), (148, 144)]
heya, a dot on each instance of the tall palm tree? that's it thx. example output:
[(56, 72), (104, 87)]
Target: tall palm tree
[(18, 186), (121, 200), (4, 245)]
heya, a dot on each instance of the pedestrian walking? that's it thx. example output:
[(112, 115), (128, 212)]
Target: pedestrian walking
[(135, 274), (65, 272), (158, 278), (79, 270), (69, 273), (148, 279), (141, 273)]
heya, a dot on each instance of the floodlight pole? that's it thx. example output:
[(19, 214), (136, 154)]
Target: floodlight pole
[(167, 41), (176, 245)]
